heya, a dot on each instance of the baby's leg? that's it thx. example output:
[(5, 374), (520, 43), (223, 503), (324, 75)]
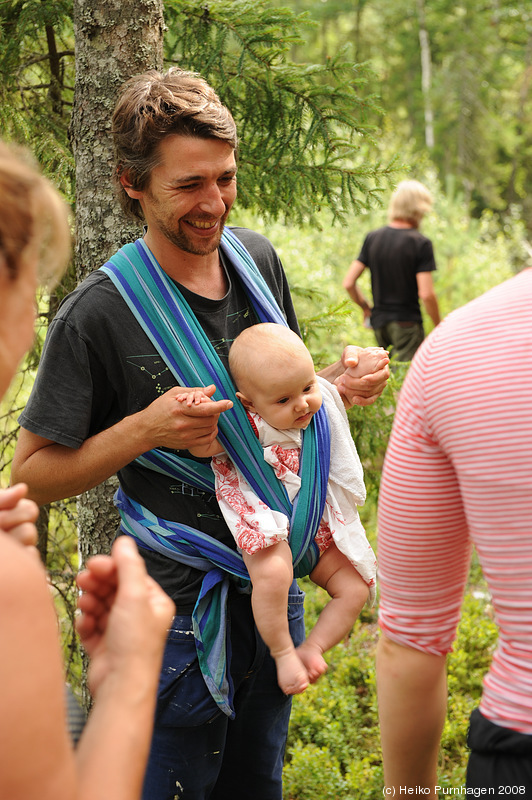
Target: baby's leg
[(271, 576), (348, 591)]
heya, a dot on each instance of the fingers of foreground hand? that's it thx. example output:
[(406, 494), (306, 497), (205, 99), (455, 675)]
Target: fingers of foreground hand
[(10, 497), (99, 576), (136, 588), (26, 533), (98, 583), (18, 514), (162, 606), (15, 508)]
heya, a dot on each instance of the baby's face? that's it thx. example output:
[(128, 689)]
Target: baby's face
[(288, 398)]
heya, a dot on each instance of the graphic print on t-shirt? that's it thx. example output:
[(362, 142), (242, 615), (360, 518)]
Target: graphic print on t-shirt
[(155, 369)]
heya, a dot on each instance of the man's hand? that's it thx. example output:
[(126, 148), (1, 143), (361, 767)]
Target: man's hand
[(125, 616), (18, 514), (182, 423), (364, 375)]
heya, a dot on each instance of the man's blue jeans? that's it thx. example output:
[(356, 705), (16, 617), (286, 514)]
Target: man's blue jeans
[(197, 752)]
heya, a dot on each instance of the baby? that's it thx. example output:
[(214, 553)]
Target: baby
[(281, 392)]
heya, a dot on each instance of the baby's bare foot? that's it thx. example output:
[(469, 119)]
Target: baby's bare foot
[(292, 676), (312, 658)]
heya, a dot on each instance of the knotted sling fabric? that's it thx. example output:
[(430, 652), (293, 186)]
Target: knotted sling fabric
[(165, 316)]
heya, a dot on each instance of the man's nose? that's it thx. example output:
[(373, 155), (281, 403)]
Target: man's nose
[(212, 201)]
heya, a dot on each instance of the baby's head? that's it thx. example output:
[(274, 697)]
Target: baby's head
[(274, 375)]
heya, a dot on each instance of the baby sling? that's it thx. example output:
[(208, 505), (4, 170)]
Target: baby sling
[(163, 313)]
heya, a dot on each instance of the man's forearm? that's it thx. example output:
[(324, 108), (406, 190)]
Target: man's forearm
[(357, 296), (55, 472), (432, 309)]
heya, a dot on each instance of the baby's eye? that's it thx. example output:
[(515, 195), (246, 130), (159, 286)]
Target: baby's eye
[(283, 400), (308, 388)]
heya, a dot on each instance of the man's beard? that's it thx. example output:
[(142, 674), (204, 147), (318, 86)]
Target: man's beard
[(188, 243)]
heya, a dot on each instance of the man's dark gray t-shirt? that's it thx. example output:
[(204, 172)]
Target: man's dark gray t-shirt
[(98, 366)]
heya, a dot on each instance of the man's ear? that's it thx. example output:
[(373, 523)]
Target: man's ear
[(248, 405), (129, 190)]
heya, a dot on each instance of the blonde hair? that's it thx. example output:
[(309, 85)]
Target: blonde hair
[(410, 201), (264, 344), (33, 219)]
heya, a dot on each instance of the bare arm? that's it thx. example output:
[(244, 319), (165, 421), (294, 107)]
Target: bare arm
[(350, 285), (425, 288), (123, 627), (36, 759), (53, 471), (412, 697)]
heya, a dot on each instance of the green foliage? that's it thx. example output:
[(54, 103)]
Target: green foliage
[(303, 128), (37, 68), (478, 86), (334, 744), (336, 719)]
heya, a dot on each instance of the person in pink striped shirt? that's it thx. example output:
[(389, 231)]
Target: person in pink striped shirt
[(458, 474)]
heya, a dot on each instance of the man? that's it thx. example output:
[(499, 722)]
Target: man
[(401, 262), (104, 402), (457, 474)]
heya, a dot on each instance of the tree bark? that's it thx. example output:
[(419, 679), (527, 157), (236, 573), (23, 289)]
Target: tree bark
[(114, 40)]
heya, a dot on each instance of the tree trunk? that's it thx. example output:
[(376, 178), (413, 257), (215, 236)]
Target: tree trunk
[(114, 40), (426, 74)]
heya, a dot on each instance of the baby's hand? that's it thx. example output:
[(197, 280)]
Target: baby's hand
[(193, 396), (370, 360)]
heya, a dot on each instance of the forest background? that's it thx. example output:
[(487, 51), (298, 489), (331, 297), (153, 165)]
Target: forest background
[(336, 102)]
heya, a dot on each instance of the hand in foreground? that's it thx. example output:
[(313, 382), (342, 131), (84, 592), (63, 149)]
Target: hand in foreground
[(365, 375), (18, 514), (125, 616)]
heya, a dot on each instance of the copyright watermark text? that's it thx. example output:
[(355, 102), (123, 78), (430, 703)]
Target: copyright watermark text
[(446, 791)]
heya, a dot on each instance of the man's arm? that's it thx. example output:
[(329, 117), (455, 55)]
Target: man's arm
[(350, 285), (412, 696), (425, 290), (53, 471)]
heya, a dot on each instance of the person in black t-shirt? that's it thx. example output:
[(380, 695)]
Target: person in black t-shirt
[(400, 260), (104, 396)]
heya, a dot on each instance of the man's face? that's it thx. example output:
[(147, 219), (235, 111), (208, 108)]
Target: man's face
[(190, 193)]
